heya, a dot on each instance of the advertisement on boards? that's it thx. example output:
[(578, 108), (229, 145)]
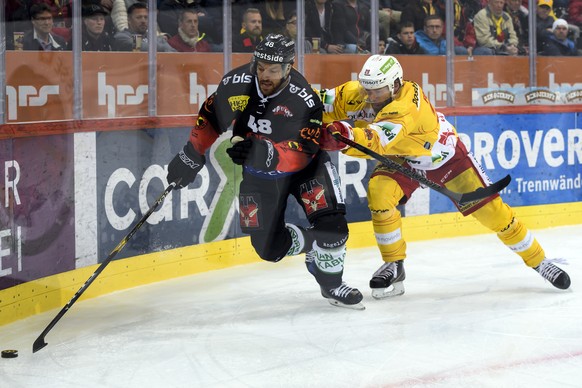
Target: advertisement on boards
[(541, 152), (131, 172), (115, 84), (37, 234), (45, 211)]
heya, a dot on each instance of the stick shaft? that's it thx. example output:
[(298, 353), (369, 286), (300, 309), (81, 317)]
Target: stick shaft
[(461, 198), (39, 343)]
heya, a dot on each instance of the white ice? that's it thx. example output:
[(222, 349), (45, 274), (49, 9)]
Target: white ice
[(472, 316)]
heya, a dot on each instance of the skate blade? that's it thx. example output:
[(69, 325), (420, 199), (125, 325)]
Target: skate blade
[(395, 289), (357, 306)]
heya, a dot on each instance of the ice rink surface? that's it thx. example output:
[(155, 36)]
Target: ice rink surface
[(473, 315)]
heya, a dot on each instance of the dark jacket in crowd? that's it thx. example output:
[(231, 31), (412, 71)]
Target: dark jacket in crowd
[(554, 47), (29, 43), (395, 46), (313, 28)]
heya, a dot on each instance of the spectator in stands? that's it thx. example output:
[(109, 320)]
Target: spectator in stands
[(17, 16), (290, 31), (544, 22), (40, 37), (318, 25), (463, 30), (169, 12), (62, 11), (558, 43), (214, 14), (519, 18), (417, 10), (120, 17), (494, 31), (251, 32), (188, 38), (430, 39), (466, 8), (575, 12), (404, 42), (95, 38), (107, 5), (397, 6), (350, 25), (134, 38), (274, 13), (562, 10), (119, 13), (381, 46), (385, 19), (389, 16)]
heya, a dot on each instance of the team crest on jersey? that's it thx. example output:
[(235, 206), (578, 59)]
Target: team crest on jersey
[(248, 212), (238, 102), (313, 196), (282, 110)]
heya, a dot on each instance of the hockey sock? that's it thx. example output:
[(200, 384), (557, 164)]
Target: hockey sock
[(327, 265), (387, 229), (500, 218), (520, 240)]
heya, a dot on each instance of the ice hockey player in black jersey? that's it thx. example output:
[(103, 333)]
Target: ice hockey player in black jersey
[(277, 118)]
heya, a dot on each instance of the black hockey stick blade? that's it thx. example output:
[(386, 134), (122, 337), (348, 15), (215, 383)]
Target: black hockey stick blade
[(40, 343), (484, 192), (460, 198)]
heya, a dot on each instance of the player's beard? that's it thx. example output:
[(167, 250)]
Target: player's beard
[(268, 87)]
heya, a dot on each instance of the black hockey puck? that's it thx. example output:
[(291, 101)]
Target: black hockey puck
[(10, 353)]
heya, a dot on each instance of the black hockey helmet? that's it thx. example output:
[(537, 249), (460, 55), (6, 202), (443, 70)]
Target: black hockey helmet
[(275, 48)]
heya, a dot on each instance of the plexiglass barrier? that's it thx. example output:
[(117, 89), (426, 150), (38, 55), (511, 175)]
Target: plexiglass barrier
[(62, 77)]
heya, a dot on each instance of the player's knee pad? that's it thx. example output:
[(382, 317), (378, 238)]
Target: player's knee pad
[(330, 231)]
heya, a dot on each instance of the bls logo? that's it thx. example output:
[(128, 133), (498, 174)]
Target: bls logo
[(27, 95), (112, 96)]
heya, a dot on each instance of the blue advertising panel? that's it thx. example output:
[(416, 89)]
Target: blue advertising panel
[(541, 152), (131, 173)]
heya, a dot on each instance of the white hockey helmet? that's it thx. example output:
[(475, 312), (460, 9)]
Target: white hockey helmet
[(380, 71)]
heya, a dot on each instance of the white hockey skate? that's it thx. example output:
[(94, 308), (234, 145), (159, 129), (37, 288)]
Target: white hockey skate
[(387, 281)]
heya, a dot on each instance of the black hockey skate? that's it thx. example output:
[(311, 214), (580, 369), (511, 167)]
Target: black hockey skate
[(344, 296), (552, 273), (387, 281)]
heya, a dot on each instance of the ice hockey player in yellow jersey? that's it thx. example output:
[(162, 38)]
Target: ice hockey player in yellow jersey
[(393, 117)]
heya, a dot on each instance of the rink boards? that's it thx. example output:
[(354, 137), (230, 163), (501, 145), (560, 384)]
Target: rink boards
[(69, 198)]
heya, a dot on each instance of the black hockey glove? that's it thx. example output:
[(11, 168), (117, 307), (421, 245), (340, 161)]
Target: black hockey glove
[(258, 154), (185, 165)]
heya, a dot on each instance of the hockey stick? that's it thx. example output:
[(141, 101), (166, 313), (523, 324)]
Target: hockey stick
[(40, 343), (460, 198)]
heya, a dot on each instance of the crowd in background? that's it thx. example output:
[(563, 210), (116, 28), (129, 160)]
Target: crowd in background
[(481, 27)]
